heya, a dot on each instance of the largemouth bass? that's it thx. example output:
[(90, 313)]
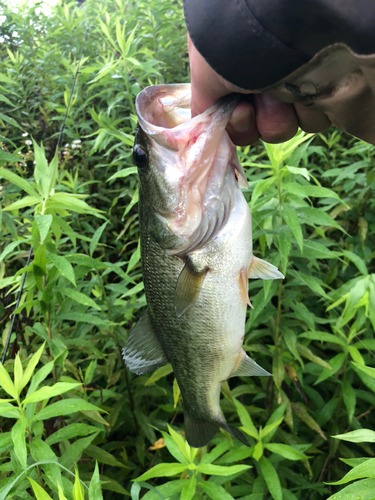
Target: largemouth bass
[(196, 250)]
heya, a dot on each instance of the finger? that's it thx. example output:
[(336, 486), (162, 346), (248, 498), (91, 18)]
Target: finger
[(310, 120), (207, 86), (242, 127), (276, 120)]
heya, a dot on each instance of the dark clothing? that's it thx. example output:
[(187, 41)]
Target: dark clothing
[(255, 43), (320, 53)]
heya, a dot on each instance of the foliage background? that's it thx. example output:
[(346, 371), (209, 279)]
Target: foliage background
[(69, 399)]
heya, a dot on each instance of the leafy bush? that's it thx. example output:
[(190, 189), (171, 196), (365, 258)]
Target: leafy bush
[(68, 400)]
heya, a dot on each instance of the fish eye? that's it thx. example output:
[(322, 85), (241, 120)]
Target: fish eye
[(140, 156)]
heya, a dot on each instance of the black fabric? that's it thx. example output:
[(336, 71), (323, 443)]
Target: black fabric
[(255, 43)]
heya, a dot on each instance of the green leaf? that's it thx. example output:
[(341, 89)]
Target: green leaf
[(65, 407), (258, 451), (335, 363), (18, 374), (9, 120), (308, 354), (366, 469), (162, 470), (176, 449), (78, 493), (8, 157), (49, 392), (70, 202), (219, 470), (357, 261), (308, 191), (260, 188), (350, 399), (7, 410), (285, 451), (40, 376), (159, 373), (86, 318), (291, 218), (74, 452), (9, 248), (273, 423), (61, 493), (19, 182), (364, 489), (245, 419), (39, 492), (19, 441), (123, 173), (95, 491), (188, 491), (96, 237), (64, 267), (358, 436), (28, 373), (271, 478), (316, 217), (44, 223), (79, 297), (102, 456), (300, 410), (215, 491), (6, 382), (71, 431), (365, 369)]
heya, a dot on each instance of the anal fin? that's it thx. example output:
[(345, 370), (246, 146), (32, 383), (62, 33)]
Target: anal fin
[(188, 286), (264, 270), (247, 367), (143, 352)]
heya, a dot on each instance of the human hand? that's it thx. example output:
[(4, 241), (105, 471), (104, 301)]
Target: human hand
[(259, 116)]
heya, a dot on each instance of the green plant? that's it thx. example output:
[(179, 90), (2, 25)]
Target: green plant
[(312, 202)]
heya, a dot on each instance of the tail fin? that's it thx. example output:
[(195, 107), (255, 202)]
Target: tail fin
[(234, 431), (199, 433)]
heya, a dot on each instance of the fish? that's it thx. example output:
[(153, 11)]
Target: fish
[(196, 254)]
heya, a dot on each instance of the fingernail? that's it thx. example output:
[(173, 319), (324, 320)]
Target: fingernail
[(269, 100), (240, 121)]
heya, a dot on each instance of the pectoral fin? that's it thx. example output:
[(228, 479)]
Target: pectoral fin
[(188, 287), (243, 287), (143, 352), (264, 270), (247, 367)]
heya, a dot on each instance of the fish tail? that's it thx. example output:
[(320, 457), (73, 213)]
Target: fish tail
[(198, 433), (234, 431)]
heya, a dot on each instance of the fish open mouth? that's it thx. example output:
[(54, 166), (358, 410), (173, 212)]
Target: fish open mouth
[(205, 162)]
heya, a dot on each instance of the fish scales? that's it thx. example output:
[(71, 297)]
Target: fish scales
[(196, 253)]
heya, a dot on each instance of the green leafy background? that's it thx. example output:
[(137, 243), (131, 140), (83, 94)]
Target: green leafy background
[(75, 424)]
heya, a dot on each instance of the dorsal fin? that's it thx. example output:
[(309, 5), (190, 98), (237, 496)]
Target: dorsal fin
[(143, 352)]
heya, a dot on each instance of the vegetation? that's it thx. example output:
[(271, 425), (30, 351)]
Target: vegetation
[(74, 422)]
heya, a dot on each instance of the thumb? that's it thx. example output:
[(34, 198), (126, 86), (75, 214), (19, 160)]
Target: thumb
[(206, 85)]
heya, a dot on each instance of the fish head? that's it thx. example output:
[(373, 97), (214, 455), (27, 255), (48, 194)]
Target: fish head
[(188, 167)]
